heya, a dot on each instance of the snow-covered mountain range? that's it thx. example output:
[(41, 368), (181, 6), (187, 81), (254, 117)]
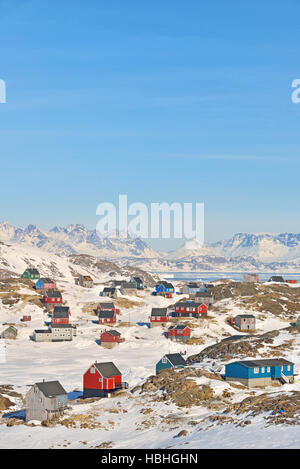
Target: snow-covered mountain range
[(264, 247), (244, 251), (76, 239)]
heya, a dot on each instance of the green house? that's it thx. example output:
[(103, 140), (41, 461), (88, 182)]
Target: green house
[(33, 274)]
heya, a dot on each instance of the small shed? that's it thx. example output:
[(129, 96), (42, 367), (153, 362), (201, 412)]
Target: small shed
[(111, 338), (245, 322), (10, 333)]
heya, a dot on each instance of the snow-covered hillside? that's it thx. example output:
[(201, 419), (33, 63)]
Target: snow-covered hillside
[(143, 416)]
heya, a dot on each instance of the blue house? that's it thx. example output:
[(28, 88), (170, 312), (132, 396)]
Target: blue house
[(45, 284), (164, 287), (171, 360), (260, 373)]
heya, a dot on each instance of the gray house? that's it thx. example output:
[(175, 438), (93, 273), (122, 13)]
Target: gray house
[(138, 282), (245, 322), (10, 333), (190, 288), (204, 297), (84, 281), (110, 292), (128, 288), (45, 401)]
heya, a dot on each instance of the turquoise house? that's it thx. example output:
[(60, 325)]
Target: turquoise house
[(260, 373), (171, 360)]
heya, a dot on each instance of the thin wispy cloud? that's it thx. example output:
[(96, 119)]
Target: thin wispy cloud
[(185, 156)]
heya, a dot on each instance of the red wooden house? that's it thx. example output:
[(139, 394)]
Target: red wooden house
[(107, 317), (159, 317), (180, 333), (52, 298), (26, 318), (110, 338), (189, 309), (102, 379), (60, 315), (105, 306)]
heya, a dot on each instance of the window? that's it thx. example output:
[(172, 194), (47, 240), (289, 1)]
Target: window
[(268, 369), (263, 369), (92, 370), (289, 368), (164, 360), (256, 370)]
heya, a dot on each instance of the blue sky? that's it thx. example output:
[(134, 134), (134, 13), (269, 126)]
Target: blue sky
[(163, 101)]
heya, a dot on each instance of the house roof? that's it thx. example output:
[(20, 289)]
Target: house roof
[(165, 284), (42, 331), (53, 294), (106, 305), (32, 271), (245, 316), (86, 277), (276, 278), (61, 326), (159, 311), (109, 289), (107, 369), (264, 362), (10, 328), (127, 285), (64, 313), (51, 388), (118, 282), (113, 332), (192, 285), (178, 326), (106, 314), (175, 359), (203, 294), (137, 279), (193, 304), (46, 280), (61, 309)]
